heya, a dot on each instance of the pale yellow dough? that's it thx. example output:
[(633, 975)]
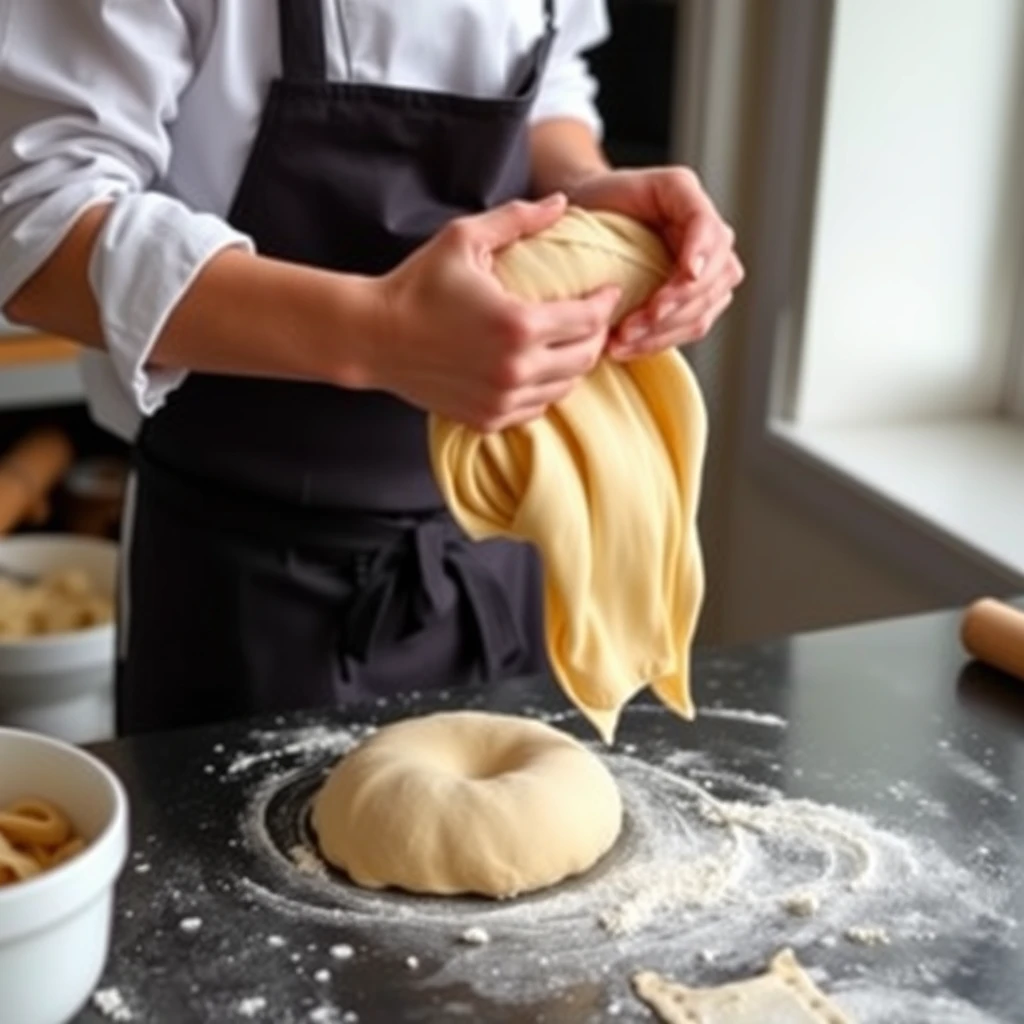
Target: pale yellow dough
[(784, 994), (467, 802), (605, 484)]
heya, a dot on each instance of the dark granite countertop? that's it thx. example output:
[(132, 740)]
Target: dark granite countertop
[(870, 766)]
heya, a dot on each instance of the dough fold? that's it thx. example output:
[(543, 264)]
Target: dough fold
[(605, 485)]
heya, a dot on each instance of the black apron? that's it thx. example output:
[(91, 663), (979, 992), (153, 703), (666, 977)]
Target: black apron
[(289, 546)]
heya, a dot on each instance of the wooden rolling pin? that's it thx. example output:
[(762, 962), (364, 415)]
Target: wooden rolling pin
[(993, 632), (28, 473)]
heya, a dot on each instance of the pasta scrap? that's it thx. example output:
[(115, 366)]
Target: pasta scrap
[(35, 836)]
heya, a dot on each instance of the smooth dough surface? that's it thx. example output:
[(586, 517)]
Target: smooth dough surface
[(467, 802), (605, 484), (784, 994)]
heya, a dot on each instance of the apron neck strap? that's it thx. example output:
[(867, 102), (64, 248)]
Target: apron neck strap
[(303, 47), (303, 51)]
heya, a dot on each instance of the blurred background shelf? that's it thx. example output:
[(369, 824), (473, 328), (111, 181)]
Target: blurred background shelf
[(38, 371)]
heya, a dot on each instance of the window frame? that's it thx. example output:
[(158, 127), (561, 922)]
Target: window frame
[(785, 198)]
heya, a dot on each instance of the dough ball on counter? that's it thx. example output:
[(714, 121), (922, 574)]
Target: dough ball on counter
[(467, 802)]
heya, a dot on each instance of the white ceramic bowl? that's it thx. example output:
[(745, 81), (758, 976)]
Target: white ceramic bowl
[(61, 684), (55, 928)]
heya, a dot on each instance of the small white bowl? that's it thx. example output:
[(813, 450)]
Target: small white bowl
[(55, 928), (61, 684)]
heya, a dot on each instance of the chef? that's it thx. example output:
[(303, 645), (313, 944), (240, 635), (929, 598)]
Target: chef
[(271, 225)]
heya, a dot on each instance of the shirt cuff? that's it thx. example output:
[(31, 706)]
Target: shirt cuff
[(150, 250), (569, 90)]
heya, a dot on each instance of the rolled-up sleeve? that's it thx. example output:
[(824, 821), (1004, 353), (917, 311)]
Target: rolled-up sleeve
[(569, 88), (88, 94)]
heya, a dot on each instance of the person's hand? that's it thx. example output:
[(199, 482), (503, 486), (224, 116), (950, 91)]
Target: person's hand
[(456, 343), (673, 202)]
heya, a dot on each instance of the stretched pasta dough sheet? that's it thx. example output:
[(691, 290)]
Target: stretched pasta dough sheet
[(784, 994), (605, 484)]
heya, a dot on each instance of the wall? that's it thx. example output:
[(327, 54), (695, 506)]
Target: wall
[(774, 566)]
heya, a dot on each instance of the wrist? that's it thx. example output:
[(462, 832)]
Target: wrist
[(565, 156), (355, 325)]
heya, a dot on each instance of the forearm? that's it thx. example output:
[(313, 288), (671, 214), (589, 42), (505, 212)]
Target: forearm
[(243, 314), (563, 153)]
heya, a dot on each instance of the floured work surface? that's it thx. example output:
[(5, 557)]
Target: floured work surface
[(784, 994), (890, 860)]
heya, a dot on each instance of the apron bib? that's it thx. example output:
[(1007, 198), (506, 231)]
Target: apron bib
[(289, 546)]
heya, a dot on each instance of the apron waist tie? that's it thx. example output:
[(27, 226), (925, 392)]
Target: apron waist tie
[(407, 572), (406, 586)]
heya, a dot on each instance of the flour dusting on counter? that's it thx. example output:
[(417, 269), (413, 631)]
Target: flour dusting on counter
[(707, 872), (717, 869)]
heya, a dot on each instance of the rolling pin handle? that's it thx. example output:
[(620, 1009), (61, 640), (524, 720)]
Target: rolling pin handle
[(993, 632)]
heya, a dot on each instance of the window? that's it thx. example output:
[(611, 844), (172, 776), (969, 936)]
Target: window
[(915, 243), (886, 278)]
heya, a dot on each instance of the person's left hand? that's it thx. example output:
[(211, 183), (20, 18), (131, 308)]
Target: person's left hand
[(673, 202)]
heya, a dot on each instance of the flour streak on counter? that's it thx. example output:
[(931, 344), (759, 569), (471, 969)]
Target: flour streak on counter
[(768, 719)]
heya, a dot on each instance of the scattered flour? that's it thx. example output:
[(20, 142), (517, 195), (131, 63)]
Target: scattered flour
[(892, 1005), (867, 936), (276, 941), (475, 936), (342, 951), (319, 739), (969, 769), (110, 1003), (325, 1015), (252, 1006), (711, 866), (191, 924), (307, 861)]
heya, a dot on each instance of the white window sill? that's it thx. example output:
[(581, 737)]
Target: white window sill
[(941, 495)]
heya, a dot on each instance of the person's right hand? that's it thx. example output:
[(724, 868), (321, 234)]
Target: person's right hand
[(454, 342)]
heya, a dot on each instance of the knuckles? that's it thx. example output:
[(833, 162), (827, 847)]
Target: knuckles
[(458, 232), (685, 179)]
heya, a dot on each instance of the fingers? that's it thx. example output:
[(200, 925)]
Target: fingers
[(525, 386), (686, 303), (567, 321), (705, 237), (680, 312), (571, 361), (725, 270), (503, 409), (507, 223), (533, 403), (686, 326)]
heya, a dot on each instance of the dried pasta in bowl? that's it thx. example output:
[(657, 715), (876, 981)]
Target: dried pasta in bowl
[(35, 836), (61, 602)]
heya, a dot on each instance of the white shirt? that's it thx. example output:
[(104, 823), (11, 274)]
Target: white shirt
[(154, 104)]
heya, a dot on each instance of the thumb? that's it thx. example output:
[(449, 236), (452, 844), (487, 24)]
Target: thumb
[(698, 240), (511, 221)]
